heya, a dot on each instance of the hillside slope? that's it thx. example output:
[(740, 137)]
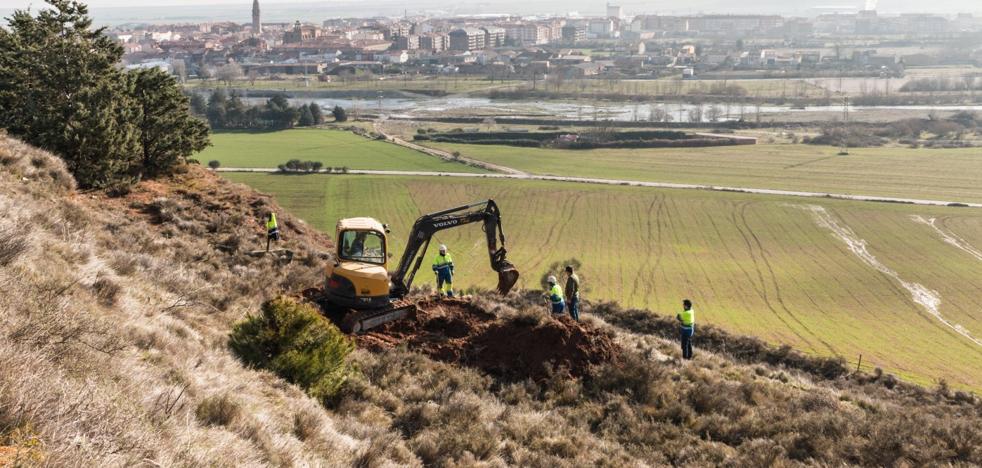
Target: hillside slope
[(115, 316), (115, 320)]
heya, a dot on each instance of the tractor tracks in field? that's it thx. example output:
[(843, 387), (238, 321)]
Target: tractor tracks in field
[(645, 279), (567, 214), (758, 256)]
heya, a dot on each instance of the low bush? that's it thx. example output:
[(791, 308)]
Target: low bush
[(845, 136), (306, 425), (525, 143), (297, 343), (651, 143), (219, 410), (12, 244), (626, 139), (106, 290)]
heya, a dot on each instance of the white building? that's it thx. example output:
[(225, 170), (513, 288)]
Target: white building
[(615, 11)]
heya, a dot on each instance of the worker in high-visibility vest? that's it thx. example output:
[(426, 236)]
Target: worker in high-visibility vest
[(443, 267), (555, 295), (687, 320), (272, 229)]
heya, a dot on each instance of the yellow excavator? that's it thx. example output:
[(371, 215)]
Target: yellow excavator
[(363, 294)]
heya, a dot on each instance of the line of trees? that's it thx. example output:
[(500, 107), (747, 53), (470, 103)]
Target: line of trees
[(61, 90), (298, 166), (968, 82), (230, 112)]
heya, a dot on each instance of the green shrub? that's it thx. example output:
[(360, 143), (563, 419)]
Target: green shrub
[(297, 343)]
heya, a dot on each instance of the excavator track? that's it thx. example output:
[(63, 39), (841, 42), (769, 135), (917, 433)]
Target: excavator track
[(358, 321)]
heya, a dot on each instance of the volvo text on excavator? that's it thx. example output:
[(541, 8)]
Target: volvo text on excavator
[(361, 290)]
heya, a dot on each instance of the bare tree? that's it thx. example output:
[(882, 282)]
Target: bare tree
[(695, 114), (660, 114), (229, 73), (180, 69), (206, 72), (713, 113)]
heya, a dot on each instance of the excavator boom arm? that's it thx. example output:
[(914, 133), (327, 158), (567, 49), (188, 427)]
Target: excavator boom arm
[(423, 229)]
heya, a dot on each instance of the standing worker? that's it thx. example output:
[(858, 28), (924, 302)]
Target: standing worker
[(555, 296), (573, 293), (443, 267), (272, 229), (687, 320)]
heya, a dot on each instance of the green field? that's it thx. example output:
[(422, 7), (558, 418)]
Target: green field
[(937, 174), (334, 148), (760, 265)]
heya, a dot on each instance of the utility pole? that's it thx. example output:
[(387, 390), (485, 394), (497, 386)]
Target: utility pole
[(843, 148)]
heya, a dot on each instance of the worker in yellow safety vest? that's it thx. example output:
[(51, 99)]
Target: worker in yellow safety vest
[(555, 295), (687, 320), (443, 267), (272, 229)]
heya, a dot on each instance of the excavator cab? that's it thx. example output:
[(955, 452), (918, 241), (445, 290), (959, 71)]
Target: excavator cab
[(359, 277)]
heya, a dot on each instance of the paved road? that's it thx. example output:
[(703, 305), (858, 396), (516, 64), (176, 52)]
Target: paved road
[(638, 183)]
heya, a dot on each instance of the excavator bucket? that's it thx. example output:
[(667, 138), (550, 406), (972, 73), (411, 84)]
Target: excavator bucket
[(507, 277)]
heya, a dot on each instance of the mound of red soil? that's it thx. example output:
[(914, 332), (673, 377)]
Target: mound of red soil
[(457, 331)]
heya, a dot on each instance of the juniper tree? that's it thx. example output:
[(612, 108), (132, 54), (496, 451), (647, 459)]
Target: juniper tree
[(169, 134), (60, 90), (316, 113), (306, 118)]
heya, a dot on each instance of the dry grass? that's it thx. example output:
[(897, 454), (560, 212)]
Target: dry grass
[(114, 324), (731, 408)]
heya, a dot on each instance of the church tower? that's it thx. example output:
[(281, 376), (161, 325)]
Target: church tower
[(257, 25)]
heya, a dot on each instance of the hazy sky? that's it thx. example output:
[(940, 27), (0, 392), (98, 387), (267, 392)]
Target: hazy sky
[(585, 7)]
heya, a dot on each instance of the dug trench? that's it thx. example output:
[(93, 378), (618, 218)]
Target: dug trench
[(515, 346)]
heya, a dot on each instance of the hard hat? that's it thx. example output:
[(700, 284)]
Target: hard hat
[(443, 248), (552, 280)]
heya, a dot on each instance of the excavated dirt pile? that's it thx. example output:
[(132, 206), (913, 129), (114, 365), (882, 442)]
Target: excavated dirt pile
[(513, 347)]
